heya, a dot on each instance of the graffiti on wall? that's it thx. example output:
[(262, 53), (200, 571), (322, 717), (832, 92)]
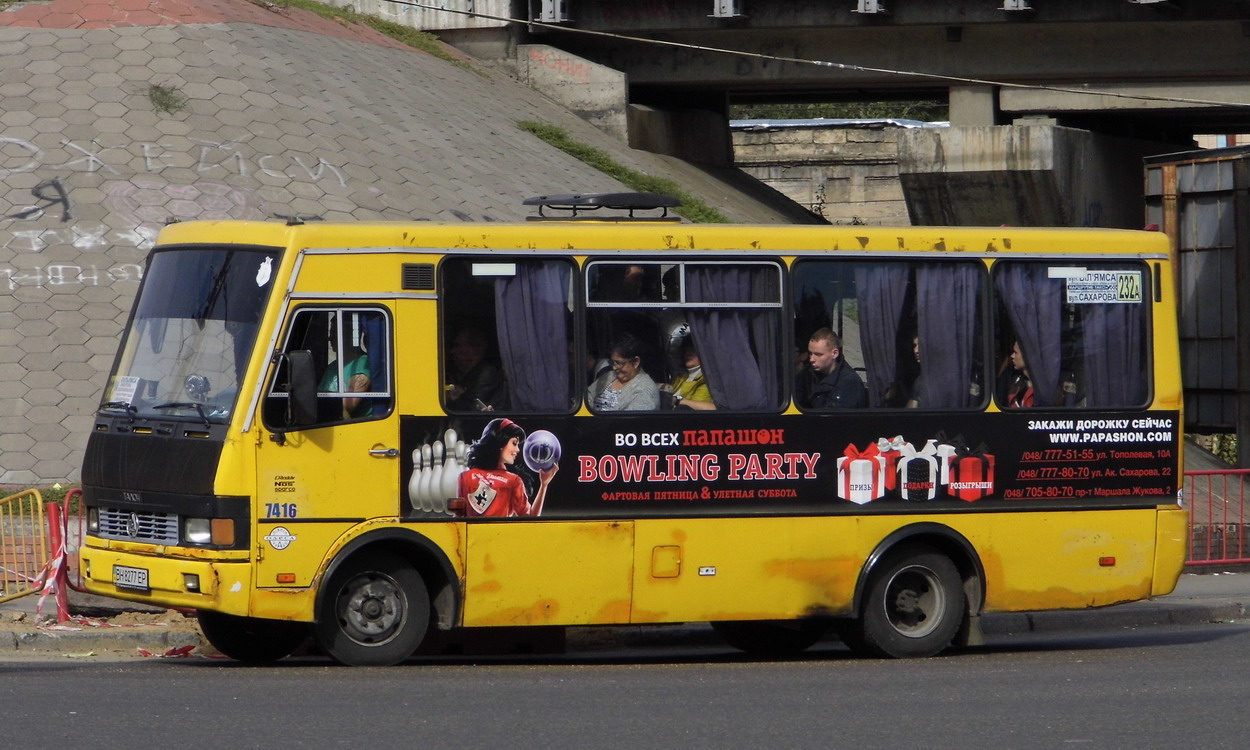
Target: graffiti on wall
[(213, 159)]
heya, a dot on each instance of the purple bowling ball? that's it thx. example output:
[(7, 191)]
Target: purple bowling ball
[(541, 450)]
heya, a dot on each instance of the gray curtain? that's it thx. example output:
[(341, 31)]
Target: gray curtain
[(531, 315), (1034, 305), (1114, 372), (739, 347), (880, 292), (947, 297)]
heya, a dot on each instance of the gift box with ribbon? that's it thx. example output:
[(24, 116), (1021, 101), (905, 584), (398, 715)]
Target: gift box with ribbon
[(861, 475), (918, 471), (890, 449), (971, 474)]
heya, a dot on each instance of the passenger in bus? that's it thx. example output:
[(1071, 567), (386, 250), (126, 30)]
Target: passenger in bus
[(828, 382), (917, 384), (689, 389), (625, 386), (1020, 389), (355, 372), (631, 283), (473, 383), (495, 485)]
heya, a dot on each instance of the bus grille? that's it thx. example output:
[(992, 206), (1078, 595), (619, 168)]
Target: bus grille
[(160, 528)]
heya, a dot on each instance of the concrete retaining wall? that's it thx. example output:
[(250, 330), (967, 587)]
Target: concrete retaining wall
[(846, 172), (596, 93)]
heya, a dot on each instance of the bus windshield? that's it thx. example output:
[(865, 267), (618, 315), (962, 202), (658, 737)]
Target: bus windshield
[(193, 329)]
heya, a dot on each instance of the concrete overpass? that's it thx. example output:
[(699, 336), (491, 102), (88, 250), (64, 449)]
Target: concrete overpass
[(993, 65), (1053, 103)]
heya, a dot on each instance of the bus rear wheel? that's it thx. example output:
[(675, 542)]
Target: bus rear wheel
[(251, 639), (913, 605), (374, 612)]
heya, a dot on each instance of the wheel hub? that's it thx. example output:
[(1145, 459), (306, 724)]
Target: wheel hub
[(914, 599), (372, 608)]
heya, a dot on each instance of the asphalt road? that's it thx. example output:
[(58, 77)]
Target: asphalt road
[(1164, 686)]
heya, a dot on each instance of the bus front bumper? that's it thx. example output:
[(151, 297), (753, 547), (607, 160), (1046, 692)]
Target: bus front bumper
[(174, 583)]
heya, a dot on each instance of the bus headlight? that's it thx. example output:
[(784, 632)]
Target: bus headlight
[(218, 531), (197, 531), (93, 520)]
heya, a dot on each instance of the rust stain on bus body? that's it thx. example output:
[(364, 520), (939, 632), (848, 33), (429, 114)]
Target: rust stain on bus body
[(541, 612)]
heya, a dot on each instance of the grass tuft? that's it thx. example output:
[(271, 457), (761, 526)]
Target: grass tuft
[(166, 99)]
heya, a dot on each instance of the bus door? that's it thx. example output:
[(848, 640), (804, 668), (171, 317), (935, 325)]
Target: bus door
[(548, 573), (325, 467)]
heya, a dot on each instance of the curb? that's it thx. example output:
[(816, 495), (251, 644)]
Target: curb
[(1127, 616), (116, 638), (1124, 617)]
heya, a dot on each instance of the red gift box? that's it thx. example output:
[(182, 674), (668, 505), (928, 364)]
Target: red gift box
[(972, 476)]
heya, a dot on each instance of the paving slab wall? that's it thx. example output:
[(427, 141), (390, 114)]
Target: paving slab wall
[(111, 127)]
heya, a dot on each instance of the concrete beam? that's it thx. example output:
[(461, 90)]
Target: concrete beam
[(882, 56), (1152, 96), (973, 105)]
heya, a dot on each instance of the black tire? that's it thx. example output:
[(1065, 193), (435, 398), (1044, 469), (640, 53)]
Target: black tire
[(374, 611), (251, 639), (913, 605), (769, 638)]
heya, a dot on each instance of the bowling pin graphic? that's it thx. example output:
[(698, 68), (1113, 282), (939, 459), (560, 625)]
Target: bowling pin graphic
[(423, 486), (437, 503), (414, 481), (451, 469)]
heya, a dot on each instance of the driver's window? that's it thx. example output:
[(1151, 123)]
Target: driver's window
[(350, 353)]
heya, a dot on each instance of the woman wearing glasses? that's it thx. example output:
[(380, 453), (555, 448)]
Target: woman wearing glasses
[(624, 387)]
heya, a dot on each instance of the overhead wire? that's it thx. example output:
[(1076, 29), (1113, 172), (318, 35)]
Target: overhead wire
[(1085, 89)]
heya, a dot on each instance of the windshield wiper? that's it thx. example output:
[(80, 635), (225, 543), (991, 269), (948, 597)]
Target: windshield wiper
[(186, 405), (130, 409)]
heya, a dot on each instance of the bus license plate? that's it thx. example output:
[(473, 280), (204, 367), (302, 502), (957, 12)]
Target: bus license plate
[(130, 578)]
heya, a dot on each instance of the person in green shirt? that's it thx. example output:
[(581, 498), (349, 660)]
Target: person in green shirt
[(355, 372)]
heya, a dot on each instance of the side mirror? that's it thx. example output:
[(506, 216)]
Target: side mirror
[(302, 394)]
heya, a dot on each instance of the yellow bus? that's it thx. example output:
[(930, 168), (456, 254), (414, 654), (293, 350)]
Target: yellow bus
[(373, 433)]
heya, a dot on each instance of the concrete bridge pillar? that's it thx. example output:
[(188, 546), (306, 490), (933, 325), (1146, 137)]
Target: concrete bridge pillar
[(1023, 175)]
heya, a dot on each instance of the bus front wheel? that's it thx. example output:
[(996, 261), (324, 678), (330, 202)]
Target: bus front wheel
[(251, 639), (913, 605), (374, 612)]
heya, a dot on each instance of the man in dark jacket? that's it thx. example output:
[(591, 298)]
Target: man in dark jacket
[(828, 382)]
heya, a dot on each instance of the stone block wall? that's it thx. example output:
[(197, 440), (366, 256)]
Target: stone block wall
[(844, 170)]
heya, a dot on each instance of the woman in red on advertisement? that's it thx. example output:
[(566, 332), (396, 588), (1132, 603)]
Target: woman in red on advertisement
[(494, 485)]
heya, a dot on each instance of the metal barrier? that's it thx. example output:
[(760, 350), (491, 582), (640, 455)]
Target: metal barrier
[(1219, 533), (23, 544)]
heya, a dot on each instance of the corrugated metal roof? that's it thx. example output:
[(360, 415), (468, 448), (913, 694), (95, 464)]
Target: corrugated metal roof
[(833, 122)]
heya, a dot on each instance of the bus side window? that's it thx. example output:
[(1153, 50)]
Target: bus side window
[(911, 331), (506, 333), (1071, 334), (350, 353), (705, 333)]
